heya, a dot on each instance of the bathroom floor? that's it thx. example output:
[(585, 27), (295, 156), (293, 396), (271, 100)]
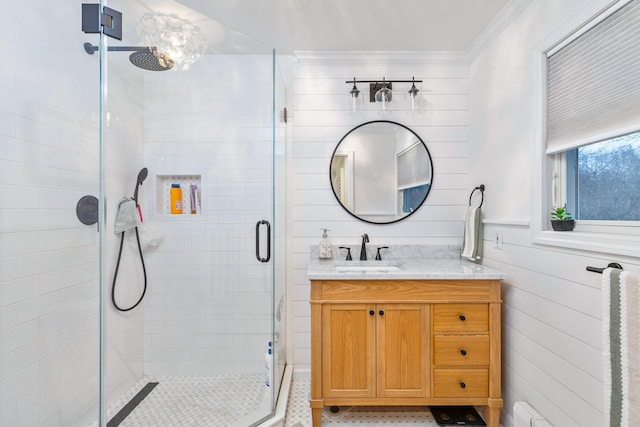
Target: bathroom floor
[(299, 413), (225, 400), (235, 400)]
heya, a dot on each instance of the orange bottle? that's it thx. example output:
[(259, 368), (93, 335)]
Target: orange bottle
[(176, 199)]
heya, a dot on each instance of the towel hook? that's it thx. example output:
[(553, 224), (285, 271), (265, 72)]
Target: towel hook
[(481, 188)]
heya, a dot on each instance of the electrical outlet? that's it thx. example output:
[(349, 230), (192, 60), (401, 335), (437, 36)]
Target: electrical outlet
[(497, 240)]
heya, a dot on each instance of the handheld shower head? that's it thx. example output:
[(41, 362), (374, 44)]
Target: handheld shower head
[(142, 175)]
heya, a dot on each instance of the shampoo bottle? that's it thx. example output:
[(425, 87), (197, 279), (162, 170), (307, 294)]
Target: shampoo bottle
[(175, 196), (268, 366), (325, 250)]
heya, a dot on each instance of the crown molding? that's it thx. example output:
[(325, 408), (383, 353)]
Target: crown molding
[(507, 15), (382, 57)]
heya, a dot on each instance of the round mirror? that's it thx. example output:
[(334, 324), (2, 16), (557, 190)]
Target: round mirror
[(381, 172)]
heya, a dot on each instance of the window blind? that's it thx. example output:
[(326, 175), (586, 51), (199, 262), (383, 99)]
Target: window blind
[(414, 167), (593, 83)]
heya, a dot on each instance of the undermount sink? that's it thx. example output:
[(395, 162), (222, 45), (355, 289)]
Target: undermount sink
[(366, 268)]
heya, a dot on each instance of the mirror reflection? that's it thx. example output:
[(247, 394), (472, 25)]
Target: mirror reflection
[(381, 172)]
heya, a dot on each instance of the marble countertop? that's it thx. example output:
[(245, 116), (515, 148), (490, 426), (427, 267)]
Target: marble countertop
[(411, 268)]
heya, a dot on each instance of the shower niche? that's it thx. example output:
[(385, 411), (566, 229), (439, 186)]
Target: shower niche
[(191, 200)]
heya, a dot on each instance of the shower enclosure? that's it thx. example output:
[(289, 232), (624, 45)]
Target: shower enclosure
[(75, 123)]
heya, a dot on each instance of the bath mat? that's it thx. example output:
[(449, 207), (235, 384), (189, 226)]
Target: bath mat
[(456, 416)]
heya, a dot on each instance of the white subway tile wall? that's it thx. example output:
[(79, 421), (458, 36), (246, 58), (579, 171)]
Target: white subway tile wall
[(49, 150), (48, 274), (209, 302)]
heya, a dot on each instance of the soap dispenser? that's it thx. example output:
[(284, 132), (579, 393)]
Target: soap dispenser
[(325, 248)]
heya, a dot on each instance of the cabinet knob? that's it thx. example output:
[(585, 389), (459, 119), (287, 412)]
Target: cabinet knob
[(371, 312), (462, 318), (463, 352), (462, 384), (381, 313)]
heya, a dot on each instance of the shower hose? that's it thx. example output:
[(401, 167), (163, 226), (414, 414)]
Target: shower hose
[(115, 275)]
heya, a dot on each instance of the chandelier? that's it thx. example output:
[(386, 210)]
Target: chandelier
[(176, 37)]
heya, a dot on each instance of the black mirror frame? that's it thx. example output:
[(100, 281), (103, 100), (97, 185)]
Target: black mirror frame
[(430, 165)]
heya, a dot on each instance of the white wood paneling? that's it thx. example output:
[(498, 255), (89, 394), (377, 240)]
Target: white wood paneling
[(318, 98), (552, 315), (552, 328)]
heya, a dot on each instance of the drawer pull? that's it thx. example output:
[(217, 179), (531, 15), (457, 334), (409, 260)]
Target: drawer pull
[(462, 384), (381, 313), (371, 312), (463, 352), (462, 318)]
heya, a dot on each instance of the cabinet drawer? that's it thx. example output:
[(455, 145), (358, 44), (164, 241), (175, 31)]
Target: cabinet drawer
[(461, 318), (461, 382), (461, 350)]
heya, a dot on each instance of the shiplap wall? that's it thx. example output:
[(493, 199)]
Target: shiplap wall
[(319, 96), (552, 315), (552, 334)]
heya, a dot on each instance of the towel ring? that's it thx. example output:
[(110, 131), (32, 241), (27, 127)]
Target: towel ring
[(481, 188)]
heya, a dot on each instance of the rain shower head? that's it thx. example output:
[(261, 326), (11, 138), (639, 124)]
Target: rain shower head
[(145, 57), (152, 60)]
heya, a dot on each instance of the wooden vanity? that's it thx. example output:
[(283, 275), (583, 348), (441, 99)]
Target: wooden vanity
[(405, 342)]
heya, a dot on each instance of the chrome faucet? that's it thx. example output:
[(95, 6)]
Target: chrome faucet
[(363, 250)]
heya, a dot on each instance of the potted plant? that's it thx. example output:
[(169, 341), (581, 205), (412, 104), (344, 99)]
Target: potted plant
[(561, 219)]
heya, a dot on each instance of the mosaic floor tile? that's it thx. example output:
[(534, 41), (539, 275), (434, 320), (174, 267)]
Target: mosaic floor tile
[(236, 401), (225, 401), (299, 413)]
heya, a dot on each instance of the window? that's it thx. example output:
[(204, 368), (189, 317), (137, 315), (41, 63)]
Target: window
[(413, 177), (593, 118), (603, 180), (413, 197)]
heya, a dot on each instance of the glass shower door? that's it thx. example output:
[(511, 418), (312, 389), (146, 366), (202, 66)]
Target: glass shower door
[(202, 136)]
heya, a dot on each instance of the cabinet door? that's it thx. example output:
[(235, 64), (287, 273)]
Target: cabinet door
[(348, 350), (403, 350)]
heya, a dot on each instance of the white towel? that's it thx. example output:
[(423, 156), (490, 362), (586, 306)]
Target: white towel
[(127, 215), (472, 243), (621, 346)]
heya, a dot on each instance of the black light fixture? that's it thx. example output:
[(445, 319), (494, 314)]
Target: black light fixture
[(414, 99), (383, 97), (382, 93), (355, 100)]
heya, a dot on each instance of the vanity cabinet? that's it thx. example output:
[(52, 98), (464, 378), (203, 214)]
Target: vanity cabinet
[(375, 350), (405, 342)]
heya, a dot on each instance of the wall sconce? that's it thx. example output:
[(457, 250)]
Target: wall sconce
[(382, 93)]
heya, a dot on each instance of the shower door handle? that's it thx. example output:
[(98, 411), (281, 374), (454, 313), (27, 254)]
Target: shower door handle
[(258, 224)]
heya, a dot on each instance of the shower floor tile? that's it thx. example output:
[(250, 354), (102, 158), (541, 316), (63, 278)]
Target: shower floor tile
[(225, 400), (235, 401), (299, 413)]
